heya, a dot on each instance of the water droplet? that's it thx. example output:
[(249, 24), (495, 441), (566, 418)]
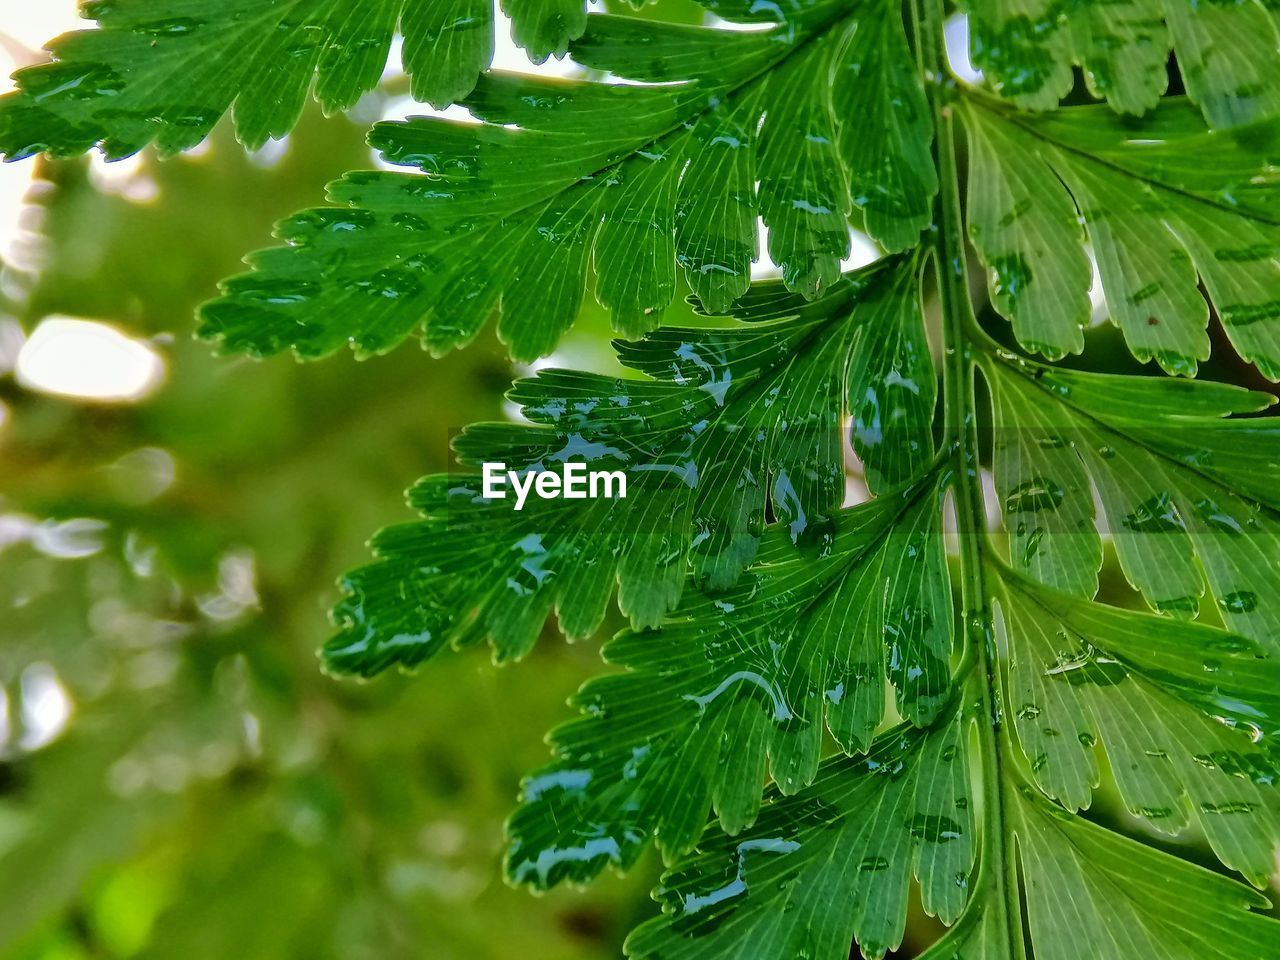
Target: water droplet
[(1010, 278), (1216, 518), (933, 828), (1038, 493), (1241, 601), (1155, 515), (1230, 806), (1087, 666)]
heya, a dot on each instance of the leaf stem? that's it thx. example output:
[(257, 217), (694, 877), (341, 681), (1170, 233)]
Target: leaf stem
[(950, 261)]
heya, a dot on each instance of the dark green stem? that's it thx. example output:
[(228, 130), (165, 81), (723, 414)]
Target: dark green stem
[(950, 257)]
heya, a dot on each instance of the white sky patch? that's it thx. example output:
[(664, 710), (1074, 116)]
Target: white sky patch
[(862, 251), (397, 108), (508, 56), (88, 360), (956, 33), (720, 24), (764, 268), (1097, 296), (270, 153), (32, 23), (395, 60)]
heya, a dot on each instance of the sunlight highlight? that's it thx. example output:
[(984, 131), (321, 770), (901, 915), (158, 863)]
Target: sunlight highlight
[(86, 360), (46, 706), (32, 24)]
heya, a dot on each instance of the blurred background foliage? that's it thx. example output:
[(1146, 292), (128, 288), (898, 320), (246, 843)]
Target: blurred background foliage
[(178, 780), (177, 777)]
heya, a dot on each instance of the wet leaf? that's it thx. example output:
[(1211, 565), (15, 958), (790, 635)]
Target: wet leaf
[(832, 864), (721, 127), (737, 425), (166, 72), (878, 704), (1166, 205), (1028, 47), (1188, 493), (1180, 710), (1094, 893), (741, 680)]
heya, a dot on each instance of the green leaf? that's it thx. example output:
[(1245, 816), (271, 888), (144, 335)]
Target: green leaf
[(1024, 227), (800, 883), (723, 127), (1093, 893), (887, 151), (830, 865), (165, 71), (981, 934), (738, 676), (737, 424), (1166, 205), (1179, 708), (1188, 495), (1027, 48)]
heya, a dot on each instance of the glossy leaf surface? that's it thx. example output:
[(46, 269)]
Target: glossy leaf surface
[(165, 72), (565, 178), (1166, 205), (739, 680), (832, 865), (1177, 707), (1187, 492), (735, 424), (1028, 47)]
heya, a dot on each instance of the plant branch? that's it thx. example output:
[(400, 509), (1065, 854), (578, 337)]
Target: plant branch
[(951, 269)]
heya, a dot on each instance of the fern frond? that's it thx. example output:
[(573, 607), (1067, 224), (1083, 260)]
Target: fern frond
[(737, 424), (1093, 893), (1175, 705), (1188, 494), (831, 865), (743, 676), (1166, 205), (562, 178), (934, 712), (1028, 47), (165, 72)]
